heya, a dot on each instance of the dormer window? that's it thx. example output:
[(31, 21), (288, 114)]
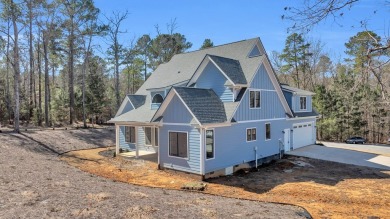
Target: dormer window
[(157, 99), (303, 103)]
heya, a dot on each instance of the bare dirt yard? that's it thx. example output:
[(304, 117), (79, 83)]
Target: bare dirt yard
[(35, 183), (326, 189)]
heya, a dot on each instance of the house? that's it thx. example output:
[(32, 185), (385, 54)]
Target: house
[(212, 111)]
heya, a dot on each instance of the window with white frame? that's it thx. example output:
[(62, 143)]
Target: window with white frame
[(251, 134), (209, 144), (130, 134), (254, 99), (302, 101), (178, 143), (267, 131)]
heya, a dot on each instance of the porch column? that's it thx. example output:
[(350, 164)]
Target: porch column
[(136, 142), (116, 139)]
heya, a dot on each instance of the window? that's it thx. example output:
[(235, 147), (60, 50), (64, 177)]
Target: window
[(251, 134), (303, 103), (254, 99), (178, 144), (129, 134), (157, 98), (209, 144), (148, 135), (155, 136), (267, 131)]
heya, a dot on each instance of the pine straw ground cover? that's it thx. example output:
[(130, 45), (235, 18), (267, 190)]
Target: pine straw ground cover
[(325, 189)]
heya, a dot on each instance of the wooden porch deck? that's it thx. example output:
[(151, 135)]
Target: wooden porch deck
[(144, 155)]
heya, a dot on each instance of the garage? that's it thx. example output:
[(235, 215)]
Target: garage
[(303, 134)]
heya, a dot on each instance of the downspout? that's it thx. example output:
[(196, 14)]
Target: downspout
[(256, 156)]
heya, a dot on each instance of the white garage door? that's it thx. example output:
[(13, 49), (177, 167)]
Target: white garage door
[(302, 134)]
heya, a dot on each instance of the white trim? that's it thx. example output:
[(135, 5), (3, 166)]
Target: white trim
[(298, 118), (270, 131), (205, 142), (214, 125), (188, 145), (260, 120), (246, 134), (202, 162), (267, 90), (178, 124)]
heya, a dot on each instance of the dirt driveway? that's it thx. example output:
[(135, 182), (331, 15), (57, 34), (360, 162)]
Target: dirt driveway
[(35, 183), (375, 156)]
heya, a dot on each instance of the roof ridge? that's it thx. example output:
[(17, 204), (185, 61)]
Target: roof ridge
[(197, 88), (218, 46)]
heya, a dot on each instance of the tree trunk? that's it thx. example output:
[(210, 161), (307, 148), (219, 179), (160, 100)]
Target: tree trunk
[(8, 99), (86, 61), (39, 86), (71, 69), (31, 60), (47, 91), (16, 74), (116, 57)]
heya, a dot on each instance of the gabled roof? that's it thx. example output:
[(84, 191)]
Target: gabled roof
[(182, 66), (231, 68), (296, 90), (204, 104)]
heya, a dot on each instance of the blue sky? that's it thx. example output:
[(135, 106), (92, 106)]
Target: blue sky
[(228, 21)]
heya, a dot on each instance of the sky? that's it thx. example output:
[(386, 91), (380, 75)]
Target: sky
[(225, 21)]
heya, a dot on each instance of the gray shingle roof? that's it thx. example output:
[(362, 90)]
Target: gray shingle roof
[(296, 90), (137, 100), (231, 68), (306, 114), (204, 104), (182, 66)]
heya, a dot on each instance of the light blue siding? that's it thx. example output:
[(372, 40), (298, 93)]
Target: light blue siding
[(192, 163), (270, 107), (212, 78), (270, 104), (155, 106), (122, 141), (288, 96), (176, 112), (231, 147), (297, 103), (261, 79)]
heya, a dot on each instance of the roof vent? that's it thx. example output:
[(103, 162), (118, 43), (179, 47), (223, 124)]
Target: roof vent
[(178, 72)]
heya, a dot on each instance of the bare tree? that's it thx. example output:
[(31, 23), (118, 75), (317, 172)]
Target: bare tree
[(116, 49)]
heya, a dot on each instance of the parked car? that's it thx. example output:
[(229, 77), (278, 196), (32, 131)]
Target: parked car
[(355, 140)]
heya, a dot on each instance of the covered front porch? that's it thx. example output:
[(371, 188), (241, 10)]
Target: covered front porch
[(137, 140)]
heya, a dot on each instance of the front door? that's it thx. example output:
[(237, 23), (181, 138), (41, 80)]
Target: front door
[(286, 140)]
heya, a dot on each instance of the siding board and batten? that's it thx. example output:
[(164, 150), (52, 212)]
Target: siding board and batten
[(212, 78)]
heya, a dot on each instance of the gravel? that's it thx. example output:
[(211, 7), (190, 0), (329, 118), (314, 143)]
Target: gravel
[(34, 183)]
